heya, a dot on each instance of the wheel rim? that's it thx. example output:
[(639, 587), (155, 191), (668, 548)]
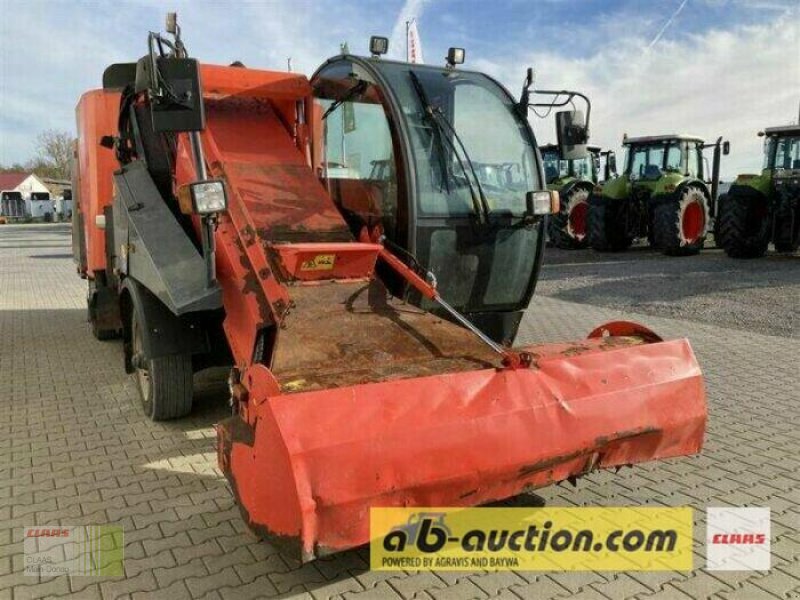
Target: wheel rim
[(577, 220), (142, 375), (693, 221)]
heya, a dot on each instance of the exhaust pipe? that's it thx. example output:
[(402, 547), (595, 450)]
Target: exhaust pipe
[(715, 176)]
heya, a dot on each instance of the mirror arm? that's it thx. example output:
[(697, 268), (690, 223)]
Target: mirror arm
[(570, 95)]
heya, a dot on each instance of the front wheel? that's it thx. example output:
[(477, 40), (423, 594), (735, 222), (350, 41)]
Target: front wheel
[(681, 223), (164, 382)]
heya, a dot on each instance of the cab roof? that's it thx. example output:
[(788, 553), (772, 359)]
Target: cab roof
[(591, 148), (783, 130), (651, 139)]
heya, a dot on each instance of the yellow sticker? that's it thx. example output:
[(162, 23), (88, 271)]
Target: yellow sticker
[(538, 539), (321, 262)]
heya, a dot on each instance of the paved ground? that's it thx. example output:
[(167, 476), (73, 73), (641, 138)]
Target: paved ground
[(752, 295), (75, 448)]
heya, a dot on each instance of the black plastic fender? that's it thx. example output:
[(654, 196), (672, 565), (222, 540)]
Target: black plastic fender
[(167, 334)]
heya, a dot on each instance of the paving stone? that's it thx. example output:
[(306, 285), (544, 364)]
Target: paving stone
[(747, 591), (199, 586), (335, 588), (143, 582), (167, 575), (260, 588), (176, 591), (382, 591), (463, 590), (541, 587)]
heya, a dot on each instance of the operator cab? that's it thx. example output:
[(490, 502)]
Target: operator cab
[(782, 148), (439, 161), (555, 168), (650, 158)]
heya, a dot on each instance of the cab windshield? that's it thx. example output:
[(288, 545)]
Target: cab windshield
[(475, 134), (786, 151), (582, 167), (555, 168), (649, 162)]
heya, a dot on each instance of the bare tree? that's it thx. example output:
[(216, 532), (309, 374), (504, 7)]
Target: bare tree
[(54, 153)]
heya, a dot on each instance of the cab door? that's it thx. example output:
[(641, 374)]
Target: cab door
[(388, 164)]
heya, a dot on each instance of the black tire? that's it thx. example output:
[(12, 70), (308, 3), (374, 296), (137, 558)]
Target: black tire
[(787, 246), (165, 385), (787, 228), (608, 225), (560, 228), (743, 230), (680, 224)]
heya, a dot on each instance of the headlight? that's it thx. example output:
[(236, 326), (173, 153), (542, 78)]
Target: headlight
[(542, 203), (203, 197)]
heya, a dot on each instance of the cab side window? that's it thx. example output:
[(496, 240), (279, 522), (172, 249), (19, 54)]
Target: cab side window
[(357, 162)]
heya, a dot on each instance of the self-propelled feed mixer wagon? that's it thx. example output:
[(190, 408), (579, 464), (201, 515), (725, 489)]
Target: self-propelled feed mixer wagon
[(230, 215)]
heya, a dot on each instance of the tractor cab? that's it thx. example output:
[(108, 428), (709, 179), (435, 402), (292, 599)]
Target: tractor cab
[(648, 159), (782, 150), (558, 172), (440, 162)]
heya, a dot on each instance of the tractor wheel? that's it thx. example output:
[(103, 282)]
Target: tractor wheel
[(681, 224), (568, 228), (787, 229), (165, 382), (743, 227), (788, 246), (608, 225)]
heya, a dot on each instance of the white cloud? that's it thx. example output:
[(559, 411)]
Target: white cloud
[(729, 83), (397, 42)]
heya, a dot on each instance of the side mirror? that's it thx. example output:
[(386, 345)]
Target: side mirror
[(572, 133), (611, 164), (726, 148)]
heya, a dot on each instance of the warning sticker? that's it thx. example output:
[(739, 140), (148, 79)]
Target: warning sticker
[(321, 262)]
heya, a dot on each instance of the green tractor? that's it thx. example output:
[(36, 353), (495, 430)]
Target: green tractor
[(662, 195), (759, 209), (574, 180)]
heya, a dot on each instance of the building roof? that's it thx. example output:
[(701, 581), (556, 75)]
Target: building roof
[(9, 181), (650, 139)]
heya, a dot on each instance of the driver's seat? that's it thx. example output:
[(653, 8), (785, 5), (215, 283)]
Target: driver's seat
[(652, 172)]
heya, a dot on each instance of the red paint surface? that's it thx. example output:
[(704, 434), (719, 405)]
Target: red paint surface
[(322, 459), (693, 222), (96, 115)]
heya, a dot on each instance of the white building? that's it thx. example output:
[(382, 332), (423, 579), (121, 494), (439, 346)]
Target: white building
[(39, 201)]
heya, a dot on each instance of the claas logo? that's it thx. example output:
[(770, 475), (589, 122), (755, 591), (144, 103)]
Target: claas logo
[(46, 532), (739, 538)]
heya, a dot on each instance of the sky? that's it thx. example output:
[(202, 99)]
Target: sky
[(705, 67)]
